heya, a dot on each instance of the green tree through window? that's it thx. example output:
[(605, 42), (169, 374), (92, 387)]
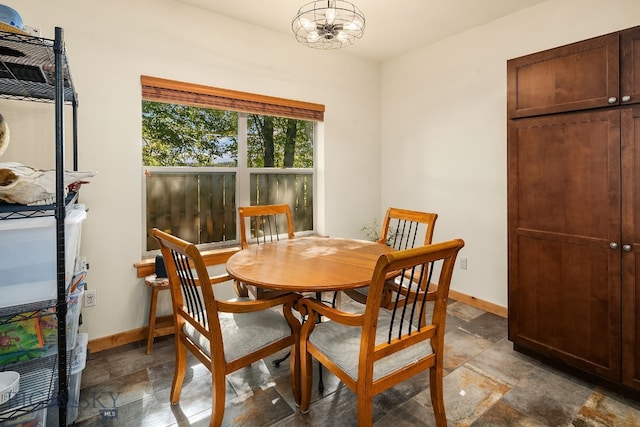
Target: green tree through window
[(181, 135), (279, 142)]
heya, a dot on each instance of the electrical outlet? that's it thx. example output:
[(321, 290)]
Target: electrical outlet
[(463, 263), (90, 298)]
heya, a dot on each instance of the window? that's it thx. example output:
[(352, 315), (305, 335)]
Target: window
[(206, 151)]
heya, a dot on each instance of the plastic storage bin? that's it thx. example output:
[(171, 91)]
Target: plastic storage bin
[(32, 419), (73, 317), (28, 256), (48, 325), (78, 363)]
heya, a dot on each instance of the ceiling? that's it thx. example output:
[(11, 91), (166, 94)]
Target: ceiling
[(392, 27)]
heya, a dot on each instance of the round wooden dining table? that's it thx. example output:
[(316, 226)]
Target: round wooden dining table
[(307, 264)]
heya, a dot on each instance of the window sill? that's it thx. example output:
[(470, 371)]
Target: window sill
[(147, 266)]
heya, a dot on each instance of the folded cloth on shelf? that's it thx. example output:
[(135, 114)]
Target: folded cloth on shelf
[(28, 186)]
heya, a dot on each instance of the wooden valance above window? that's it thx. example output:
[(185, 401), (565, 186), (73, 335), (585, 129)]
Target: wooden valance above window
[(170, 91)]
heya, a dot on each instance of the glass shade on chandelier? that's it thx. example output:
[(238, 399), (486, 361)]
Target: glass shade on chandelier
[(328, 24)]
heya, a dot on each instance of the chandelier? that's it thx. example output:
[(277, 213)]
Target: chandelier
[(329, 24)]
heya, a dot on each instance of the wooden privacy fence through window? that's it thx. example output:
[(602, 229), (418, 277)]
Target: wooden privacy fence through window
[(296, 189), (201, 206)]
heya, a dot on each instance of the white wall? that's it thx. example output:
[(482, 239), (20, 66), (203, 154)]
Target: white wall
[(444, 127), (110, 44)]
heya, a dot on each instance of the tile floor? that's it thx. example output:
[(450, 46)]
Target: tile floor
[(486, 384)]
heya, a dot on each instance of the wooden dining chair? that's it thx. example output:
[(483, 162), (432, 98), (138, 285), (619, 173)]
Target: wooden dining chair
[(401, 229), (259, 225), (224, 335), (377, 349)]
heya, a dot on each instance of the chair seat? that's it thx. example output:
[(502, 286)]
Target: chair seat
[(342, 345), (244, 333)]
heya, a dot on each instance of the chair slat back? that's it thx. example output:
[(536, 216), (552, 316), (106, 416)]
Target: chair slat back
[(403, 228), (412, 313), (191, 289), (266, 223), (192, 299), (432, 264)]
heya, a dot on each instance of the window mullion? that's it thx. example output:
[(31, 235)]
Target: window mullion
[(242, 179)]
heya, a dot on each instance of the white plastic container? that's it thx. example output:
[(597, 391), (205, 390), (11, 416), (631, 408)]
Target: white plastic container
[(9, 385), (28, 256), (78, 363)]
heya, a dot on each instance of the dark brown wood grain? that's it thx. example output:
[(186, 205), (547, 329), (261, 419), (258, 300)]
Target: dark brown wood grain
[(631, 237), (564, 211), (574, 77)]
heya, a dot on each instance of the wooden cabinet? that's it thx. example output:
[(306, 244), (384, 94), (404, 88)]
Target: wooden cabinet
[(598, 72), (574, 205), (564, 211)]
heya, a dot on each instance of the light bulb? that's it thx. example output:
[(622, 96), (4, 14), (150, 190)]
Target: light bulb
[(354, 25), (307, 24), (330, 14)]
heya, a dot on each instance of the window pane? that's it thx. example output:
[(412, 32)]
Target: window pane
[(294, 189), (198, 207), (180, 135), (276, 142)]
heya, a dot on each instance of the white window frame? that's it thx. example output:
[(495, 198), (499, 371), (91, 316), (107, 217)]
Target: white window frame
[(243, 191)]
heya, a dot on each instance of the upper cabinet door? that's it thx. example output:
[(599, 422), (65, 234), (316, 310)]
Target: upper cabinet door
[(568, 78), (630, 66)]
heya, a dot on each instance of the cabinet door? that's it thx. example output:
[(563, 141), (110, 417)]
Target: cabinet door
[(630, 66), (564, 213), (573, 77), (631, 254)]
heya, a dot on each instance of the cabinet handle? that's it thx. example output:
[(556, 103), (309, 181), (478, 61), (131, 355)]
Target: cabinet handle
[(626, 248), (613, 245), (613, 100), (626, 98)]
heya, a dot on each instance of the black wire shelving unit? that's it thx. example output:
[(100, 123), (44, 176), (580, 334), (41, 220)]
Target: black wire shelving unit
[(36, 69)]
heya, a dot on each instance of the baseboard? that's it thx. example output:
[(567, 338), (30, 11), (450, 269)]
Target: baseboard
[(122, 338), (478, 303)]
